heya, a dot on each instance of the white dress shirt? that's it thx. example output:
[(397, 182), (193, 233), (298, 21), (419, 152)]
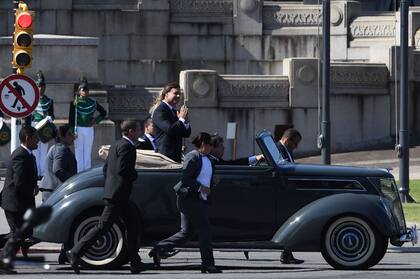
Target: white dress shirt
[(206, 172), (152, 140)]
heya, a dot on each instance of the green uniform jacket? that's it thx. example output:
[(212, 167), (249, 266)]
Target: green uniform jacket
[(83, 111)]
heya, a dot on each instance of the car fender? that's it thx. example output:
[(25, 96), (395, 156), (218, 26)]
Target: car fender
[(66, 211), (303, 231)]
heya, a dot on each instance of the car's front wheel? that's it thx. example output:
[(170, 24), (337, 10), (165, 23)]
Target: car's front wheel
[(109, 251), (349, 242)]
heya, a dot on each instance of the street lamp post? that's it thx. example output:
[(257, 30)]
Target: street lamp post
[(325, 137)]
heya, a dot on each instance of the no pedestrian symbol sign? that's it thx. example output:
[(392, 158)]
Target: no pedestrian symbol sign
[(19, 96)]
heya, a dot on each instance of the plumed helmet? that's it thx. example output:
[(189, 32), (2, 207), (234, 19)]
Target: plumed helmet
[(83, 84), (40, 79)]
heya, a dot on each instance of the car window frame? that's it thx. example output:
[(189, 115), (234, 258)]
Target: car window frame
[(262, 139)]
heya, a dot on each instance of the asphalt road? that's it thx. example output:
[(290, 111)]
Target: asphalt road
[(398, 263)]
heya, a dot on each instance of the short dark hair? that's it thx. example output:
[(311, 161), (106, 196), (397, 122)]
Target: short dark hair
[(62, 132), (128, 124), (216, 140), (26, 131), (201, 138), (148, 121), (292, 134)]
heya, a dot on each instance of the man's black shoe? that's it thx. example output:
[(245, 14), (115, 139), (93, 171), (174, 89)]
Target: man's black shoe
[(6, 268), (168, 254), (139, 267), (74, 261), (7, 271), (24, 248), (155, 254), (287, 258), (210, 269), (62, 258)]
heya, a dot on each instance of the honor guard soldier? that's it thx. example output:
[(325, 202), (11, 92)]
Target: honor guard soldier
[(42, 119), (82, 118)]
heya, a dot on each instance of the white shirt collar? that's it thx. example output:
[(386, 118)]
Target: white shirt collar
[(129, 140), (288, 153), (170, 107), (152, 140), (27, 149)]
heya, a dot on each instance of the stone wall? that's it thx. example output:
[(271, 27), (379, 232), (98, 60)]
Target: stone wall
[(245, 52)]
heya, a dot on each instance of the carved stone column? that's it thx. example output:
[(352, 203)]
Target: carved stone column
[(247, 16), (303, 77), (200, 87), (342, 13)]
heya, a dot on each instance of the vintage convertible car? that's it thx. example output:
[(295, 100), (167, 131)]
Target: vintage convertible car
[(347, 213)]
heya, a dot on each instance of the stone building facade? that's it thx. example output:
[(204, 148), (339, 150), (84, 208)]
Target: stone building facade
[(253, 62)]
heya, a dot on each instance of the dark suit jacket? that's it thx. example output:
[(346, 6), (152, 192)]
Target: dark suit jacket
[(168, 132), (119, 171), (190, 171), (61, 164), (144, 143), (21, 180), (283, 151)]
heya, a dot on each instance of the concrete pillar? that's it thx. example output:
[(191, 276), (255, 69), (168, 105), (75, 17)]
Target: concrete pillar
[(247, 17), (200, 87), (303, 78)]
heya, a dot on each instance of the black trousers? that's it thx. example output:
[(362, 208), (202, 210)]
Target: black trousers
[(110, 215), (15, 221), (194, 219)]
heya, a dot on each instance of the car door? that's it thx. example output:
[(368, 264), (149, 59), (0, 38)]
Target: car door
[(243, 203)]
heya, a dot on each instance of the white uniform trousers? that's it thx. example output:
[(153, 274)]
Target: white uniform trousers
[(83, 147), (41, 156)]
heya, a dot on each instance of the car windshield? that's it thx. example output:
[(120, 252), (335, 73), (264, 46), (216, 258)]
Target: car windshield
[(273, 149)]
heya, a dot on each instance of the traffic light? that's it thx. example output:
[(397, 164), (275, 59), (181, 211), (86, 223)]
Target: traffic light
[(23, 37)]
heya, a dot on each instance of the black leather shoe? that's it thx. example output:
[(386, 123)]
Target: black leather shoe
[(155, 254), (6, 268), (139, 267), (168, 254), (210, 269), (62, 258), (7, 271), (24, 248), (74, 261), (287, 258)]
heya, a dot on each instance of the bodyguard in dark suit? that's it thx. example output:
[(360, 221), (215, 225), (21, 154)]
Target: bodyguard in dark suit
[(170, 125), (147, 141), (218, 149), (289, 141), (119, 171), (20, 187), (192, 200), (60, 163)]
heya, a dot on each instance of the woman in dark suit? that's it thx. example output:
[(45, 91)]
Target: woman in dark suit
[(193, 194)]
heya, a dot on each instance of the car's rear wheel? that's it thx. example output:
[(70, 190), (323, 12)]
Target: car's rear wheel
[(351, 243), (109, 251)]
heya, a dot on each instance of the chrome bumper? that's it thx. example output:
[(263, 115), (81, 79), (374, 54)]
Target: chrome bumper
[(410, 236)]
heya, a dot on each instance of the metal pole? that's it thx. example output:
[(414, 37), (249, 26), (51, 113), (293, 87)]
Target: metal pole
[(325, 138), (14, 122), (404, 144)]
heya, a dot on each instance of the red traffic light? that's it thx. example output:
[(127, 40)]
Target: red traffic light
[(24, 20)]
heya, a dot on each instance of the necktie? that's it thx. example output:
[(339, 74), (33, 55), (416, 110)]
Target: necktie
[(34, 163), (175, 113)]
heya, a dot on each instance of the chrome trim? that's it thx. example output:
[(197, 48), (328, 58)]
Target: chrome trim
[(326, 179), (410, 236)]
